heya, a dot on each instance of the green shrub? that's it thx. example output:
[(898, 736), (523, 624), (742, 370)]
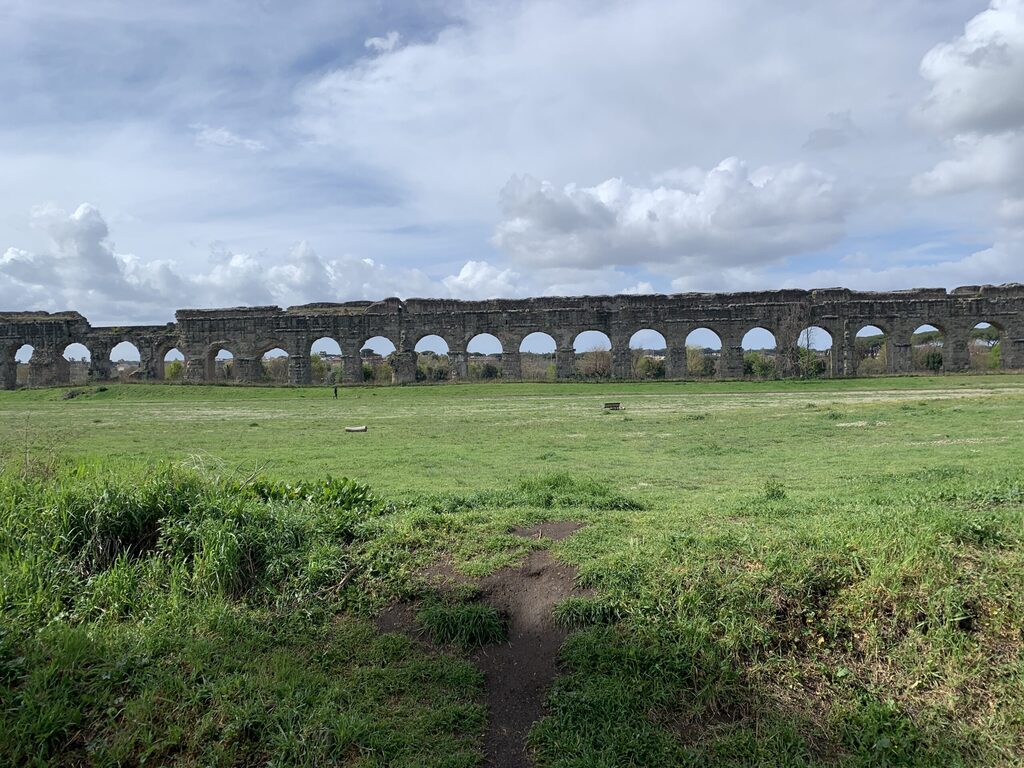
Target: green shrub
[(759, 365)]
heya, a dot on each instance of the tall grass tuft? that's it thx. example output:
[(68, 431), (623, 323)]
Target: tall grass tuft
[(467, 625)]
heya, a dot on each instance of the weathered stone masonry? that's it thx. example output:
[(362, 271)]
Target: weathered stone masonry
[(248, 333)]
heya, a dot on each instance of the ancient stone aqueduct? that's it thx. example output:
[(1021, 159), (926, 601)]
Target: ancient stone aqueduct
[(249, 332)]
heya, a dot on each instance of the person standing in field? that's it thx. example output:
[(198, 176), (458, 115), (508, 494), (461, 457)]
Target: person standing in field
[(335, 391)]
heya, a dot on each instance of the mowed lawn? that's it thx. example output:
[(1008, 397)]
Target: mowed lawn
[(780, 573)]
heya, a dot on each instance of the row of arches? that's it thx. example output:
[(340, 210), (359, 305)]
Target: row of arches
[(648, 350), (537, 357)]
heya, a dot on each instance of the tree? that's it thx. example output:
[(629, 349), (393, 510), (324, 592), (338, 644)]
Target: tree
[(275, 369), (318, 369), (812, 365), (175, 371), (485, 371), (700, 362), (649, 368), (989, 335), (595, 364), (758, 365)]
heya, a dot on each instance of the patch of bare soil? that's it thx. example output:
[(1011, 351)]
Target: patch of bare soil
[(518, 671), (400, 617)]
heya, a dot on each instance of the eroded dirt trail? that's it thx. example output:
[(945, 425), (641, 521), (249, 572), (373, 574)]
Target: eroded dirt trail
[(520, 671)]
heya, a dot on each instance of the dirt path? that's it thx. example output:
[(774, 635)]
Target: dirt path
[(519, 671)]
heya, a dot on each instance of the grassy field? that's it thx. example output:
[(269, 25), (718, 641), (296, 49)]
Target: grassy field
[(780, 573)]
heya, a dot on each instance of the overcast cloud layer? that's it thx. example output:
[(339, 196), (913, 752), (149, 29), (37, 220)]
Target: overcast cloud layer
[(224, 153)]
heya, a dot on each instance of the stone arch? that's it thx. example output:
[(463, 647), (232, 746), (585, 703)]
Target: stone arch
[(486, 344), (985, 346), (326, 361), (377, 356), (164, 364), (325, 344), (273, 365), (928, 348), (537, 353), (431, 342), (648, 354), (221, 361), (433, 358), (760, 353), (125, 359), (485, 355), (592, 355), (815, 353), (591, 340), (759, 338), (77, 351), (265, 346), (872, 350), (703, 352), (79, 358), (22, 366), (382, 345)]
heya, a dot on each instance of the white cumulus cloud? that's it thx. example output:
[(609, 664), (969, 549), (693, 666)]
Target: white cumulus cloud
[(727, 215), (81, 270), (977, 101)]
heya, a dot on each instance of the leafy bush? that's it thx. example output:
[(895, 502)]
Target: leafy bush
[(759, 365), (649, 368), (812, 364)]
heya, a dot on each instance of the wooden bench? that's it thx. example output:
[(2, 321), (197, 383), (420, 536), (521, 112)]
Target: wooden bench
[(613, 406)]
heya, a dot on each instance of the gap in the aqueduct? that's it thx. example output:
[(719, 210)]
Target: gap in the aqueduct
[(760, 354), (125, 360), (815, 350), (537, 353), (172, 364), (648, 353), (78, 357), (872, 355), (985, 347), (325, 361), (703, 353), (484, 352), (377, 355), (927, 349), (274, 366), (433, 361)]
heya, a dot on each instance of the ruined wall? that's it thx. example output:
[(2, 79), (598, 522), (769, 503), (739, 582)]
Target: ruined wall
[(249, 332)]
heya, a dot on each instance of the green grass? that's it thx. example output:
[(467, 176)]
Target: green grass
[(467, 625), (781, 573)]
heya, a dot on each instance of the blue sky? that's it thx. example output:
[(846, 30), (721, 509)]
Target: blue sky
[(223, 153)]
